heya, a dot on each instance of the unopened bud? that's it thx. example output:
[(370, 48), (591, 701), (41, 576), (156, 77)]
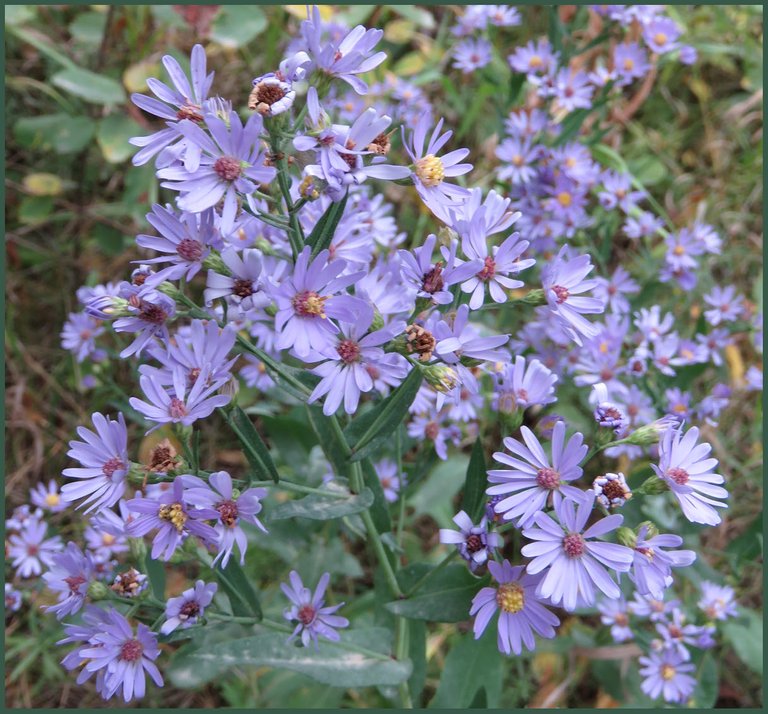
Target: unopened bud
[(214, 262), (626, 536), (97, 590), (649, 433), (171, 290), (652, 486), (651, 530), (534, 297), (378, 320), (440, 376), (446, 235), (138, 548)]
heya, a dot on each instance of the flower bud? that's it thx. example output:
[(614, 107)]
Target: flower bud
[(97, 590), (214, 262), (440, 376), (171, 290), (534, 297), (378, 320), (108, 307), (651, 530), (138, 548), (652, 486), (650, 433), (626, 536)]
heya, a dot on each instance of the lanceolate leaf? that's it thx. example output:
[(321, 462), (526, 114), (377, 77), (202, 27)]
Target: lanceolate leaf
[(445, 597), (156, 573), (326, 437), (475, 484), (240, 590), (366, 433), (379, 509), (322, 234), (360, 659), (255, 449), (323, 508)]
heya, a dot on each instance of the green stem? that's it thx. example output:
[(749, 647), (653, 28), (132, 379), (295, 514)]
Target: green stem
[(401, 500), (401, 652), (423, 579)]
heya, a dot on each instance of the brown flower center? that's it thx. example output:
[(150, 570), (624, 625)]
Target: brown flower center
[(474, 543), (306, 614), (190, 608), (243, 288), (420, 341), (349, 351), (309, 304), (489, 270), (114, 464), (131, 651), (573, 545), (189, 249), (432, 281), (561, 292), (228, 168), (678, 475), (228, 512), (177, 409), (149, 312), (548, 478)]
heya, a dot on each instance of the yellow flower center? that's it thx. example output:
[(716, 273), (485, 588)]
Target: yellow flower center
[(629, 64), (564, 199), (535, 61), (52, 499), (517, 160), (107, 539), (660, 38), (173, 513), (679, 250), (510, 597), (570, 162), (604, 347), (430, 170), (667, 672)]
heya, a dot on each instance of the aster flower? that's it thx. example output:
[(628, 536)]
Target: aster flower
[(48, 498), (307, 609), (617, 192), (522, 384), (185, 238), (531, 477), (572, 90), (718, 602), (29, 550), (130, 583), (574, 564), (675, 634), (149, 312), (726, 305), (432, 279), (521, 612), (308, 298), (12, 599), (472, 54), (391, 481), (630, 62), (474, 542), (665, 674), (173, 519), (519, 157), (21, 516), (232, 163), (218, 500), (105, 535), (182, 101), (179, 406), (185, 610), (103, 456), (534, 58), (430, 170), (460, 339), (70, 572), (683, 466), (79, 335), (652, 566), (244, 286), (433, 426), (616, 614), (654, 609), (660, 34), (611, 490), (607, 414), (271, 95), (344, 58), (124, 656), (563, 280)]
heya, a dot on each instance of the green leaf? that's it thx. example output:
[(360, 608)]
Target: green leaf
[(420, 16), (58, 132), (256, 450), (379, 508), (291, 438), (470, 666), (298, 383), (570, 126), (370, 430), (18, 14), (707, 683), (435, 496), (745, 635), (88, 27), (240, 590), (475, 483), (322, 234), (89, 86), (326, 437), (445, 597), (341, 664), (113, 134), (323, 508), (156, 574), (34, 209), (237, 25), (417, 651)]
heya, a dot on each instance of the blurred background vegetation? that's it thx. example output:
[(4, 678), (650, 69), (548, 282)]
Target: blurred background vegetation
[(74, 204)]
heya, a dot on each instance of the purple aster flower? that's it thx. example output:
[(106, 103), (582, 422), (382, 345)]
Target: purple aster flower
[(432, 426), (21, 516), (532, 478), (615, 614), (572, 90), (184, 238), (474, 542), (308, 298), (675, 634), (685, 469), (660, 34), (169, 513), (185, 610), (105, 535), (124, 656), (713, 343), (574, 564), (651, 324), (522, 384), (271, 95), (391, 481), (472, 54), (503, 15), (48, 498), (654, 609), (460, 339), (642, 225), (678, 403), (183, 101), (474, 18), (344, 58), (307, 609), (652, 567), (232, 163), (433, 279), (498, 263), (103, 455), (665, 674), (726, 305), (754, 379), (617, 192), (79, 335), (12, 599), (217, 498), (345, 374), (607, 414), (521, 612), (29, 550), (563, 282), (149, 311), (130, 583), (70, 572), (177, 406), (630, 62), (519, 158), (430, 170), (718, 602), (534, 58), (611, 490), (244, 286)]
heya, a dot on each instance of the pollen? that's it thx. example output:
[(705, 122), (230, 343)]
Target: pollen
[(564, 199), (510, 597), (573, 545), (174, 514), (430, 170), (131, 651), (660, 39), (309, 304), (548, 478), (678, 475), (228, 168), (667, 672), (535, 61), (678, 250), (52, 499)]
